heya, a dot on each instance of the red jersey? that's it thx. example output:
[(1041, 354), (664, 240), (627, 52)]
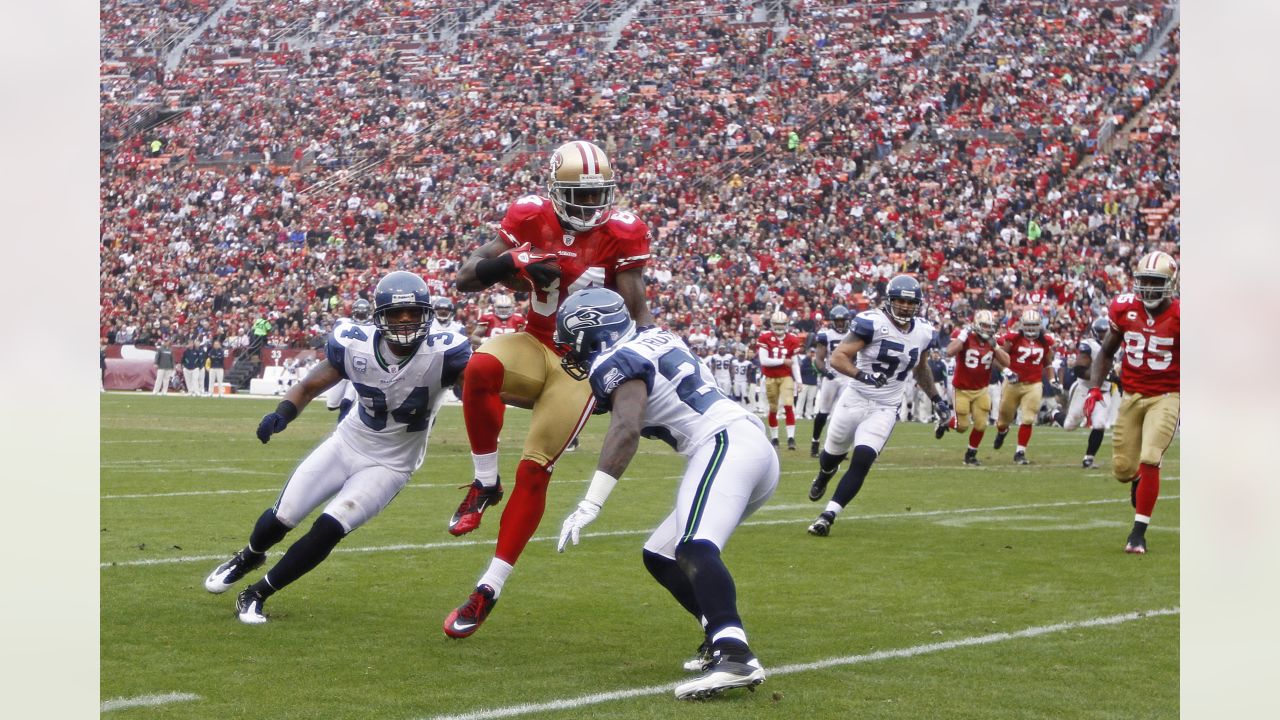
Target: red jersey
[(782, 347), (587, 259), (1150, 345), (1028, 358), (495, 325), (973, 362)]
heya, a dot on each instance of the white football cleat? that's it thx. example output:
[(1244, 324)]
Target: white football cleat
[(725, 672), (249, 607), (232, 571)]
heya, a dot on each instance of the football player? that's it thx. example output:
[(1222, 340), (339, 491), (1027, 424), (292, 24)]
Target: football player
[(655, 387), (1030, 351), (342, 396), (975, 350), (722, 368), (504, 320), (884, 347), (1145, 325), (443, 311), (1090, 348), (400, 373), (741, 370), (779, 352), (831, 383), (552, 246)]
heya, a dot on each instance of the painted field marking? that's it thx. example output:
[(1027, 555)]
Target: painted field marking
[(626, 533), (975, 641), (147, 700)]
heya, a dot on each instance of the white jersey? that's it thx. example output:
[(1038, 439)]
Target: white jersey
[(888, 350), (740, 368), (829, 337), (722, 367), (397, 401), (685, 408)]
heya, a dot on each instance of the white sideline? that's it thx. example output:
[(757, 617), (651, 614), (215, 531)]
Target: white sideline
[(773, 672), (621, 533), (147, 700)]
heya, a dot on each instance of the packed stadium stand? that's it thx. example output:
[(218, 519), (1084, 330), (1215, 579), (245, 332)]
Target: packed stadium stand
[(270, 159)]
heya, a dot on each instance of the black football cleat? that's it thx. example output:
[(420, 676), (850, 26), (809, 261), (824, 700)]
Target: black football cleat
[(819, 486), (999, 440), (971, 458), (232, 571), (814, 449), (1087, 462), (822, 526), (1136, 544), (791, 443), (1020, 457)]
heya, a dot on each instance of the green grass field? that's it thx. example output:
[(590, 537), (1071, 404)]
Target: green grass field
[(943, 591)]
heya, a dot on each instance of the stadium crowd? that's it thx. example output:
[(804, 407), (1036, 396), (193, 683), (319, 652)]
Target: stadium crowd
[(794, 162)]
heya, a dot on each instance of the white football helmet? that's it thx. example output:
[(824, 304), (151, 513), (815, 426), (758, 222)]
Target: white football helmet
[(504, 306), (1032, 322), (984, 324), (1155, 278), (582, 185), (779, 322)]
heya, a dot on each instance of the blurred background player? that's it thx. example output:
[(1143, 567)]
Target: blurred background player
[(442, 317), (976, 352), (1089, 349), (654, 386), (1030, 351), (778, 351), (1146, 325), (831, 383), (722, 368), (741, 370), (807, 397), (879, 353), (503, 320), (554, 246), (368, 458), (342, 395)]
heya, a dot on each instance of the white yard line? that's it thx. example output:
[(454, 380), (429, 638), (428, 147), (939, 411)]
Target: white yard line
[(774, 672), (147, 700), (624, 533)]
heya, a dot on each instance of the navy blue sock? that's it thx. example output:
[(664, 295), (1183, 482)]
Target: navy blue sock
[(819, 422), (853, 478), (712, 584), (1095, 442), (303, 556), (669, 575), (266, 532)]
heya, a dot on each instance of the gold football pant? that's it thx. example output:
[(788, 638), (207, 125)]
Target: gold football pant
[(533, 376), (1019, 395), (976, 403), (774, 387), (1143, 431)]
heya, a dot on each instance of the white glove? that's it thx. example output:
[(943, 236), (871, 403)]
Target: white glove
[(587, 512), (964, 334)]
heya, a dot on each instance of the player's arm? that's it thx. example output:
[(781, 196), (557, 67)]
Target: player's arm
[(322, 377), (497, 261), (766, 360), (820, 361), (795, 372), (954, 347), (620, 444), (631, 287), (844, 357), (924, 379), (477, 333), (1000, 356), (1046, 372), (1102, 364)]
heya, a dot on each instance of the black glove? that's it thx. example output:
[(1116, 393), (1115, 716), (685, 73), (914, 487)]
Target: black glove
[(872, 379), (830, 374), (942, 409), (274, 422)]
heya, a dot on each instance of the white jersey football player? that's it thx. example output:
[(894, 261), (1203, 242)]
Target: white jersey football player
[(741, 369), (884, 348), (722, 369), (443, 317), (1088, 353), (655, 387), (342, 396), (831, 383), (401, 373)]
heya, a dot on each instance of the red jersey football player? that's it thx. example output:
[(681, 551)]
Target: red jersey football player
[(1030, 351), (553, 246), (504, 320), (778, 350), (1145, 323), (974, 348)]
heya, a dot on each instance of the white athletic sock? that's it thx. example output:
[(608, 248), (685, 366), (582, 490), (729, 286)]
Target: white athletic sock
[(486, 468), (773, 432), (1022, 448), (791, 432), (1142, 518), (496, 576), (730, 633), (833, 507)]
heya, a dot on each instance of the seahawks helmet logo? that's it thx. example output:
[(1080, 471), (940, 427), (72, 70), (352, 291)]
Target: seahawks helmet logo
[(589, 317)]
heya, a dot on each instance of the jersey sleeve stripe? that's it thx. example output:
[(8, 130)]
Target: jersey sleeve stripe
[(337, 356)]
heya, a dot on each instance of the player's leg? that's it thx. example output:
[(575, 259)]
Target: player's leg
[(1030, 406), (504, 365), (1010, 396), (773, 389), (844, 422), (787, 391), (725, 481), (370, 489), (869, 439), (1159, 423), (981, 408), (827, 392), (1075, 406), (1097, 429), (316, 478)]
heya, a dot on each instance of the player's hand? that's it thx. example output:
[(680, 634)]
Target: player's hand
[(964, 334), (875, 379), (538, 268), (1091, 401), (271, 424), (830, 374), (587, 512), (942, 410)]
